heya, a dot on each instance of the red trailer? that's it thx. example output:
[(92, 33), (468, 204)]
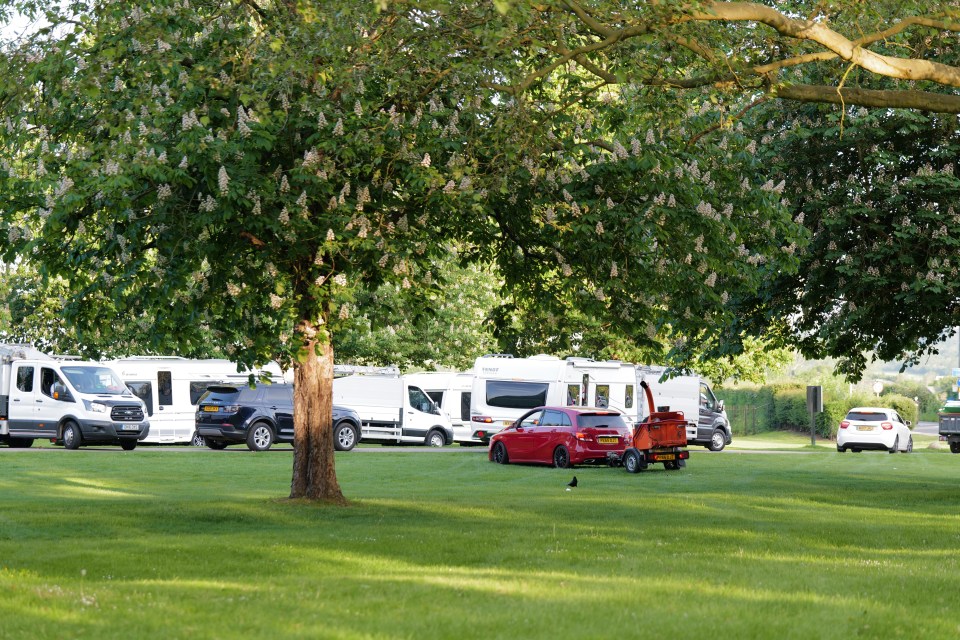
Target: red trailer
[(660, 437)]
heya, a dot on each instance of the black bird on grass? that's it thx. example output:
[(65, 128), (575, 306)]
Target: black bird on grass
[(572, 483)]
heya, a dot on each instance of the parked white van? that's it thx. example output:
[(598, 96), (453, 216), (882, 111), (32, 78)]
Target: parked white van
[(451, 391), (67, 401), (504, 388), (171, 386), (707, 422), (393, 410)]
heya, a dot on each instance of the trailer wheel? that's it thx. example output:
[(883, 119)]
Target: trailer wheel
[(955, 447), (198, 440), (435, 438), (344, 436), (718, 440), (71, 436), (128, 445), (561, 458), (499, 454), (671, 465), (259, 437), (632, 461)]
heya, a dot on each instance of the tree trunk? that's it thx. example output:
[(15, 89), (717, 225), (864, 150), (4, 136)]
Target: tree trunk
[(314, 475)]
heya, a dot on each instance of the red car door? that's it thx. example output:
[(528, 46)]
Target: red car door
[(523, 443), (550, 433)]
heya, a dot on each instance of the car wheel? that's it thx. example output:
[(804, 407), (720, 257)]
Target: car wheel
[(20, 443), (128, 445), (633, 461), (855, 450), (499, 454), (896, 445), (561, 458), (259, 437), (955, 447), (198, 440), (718, 440), (909, 448), (841, 449), (216, 444), (71, 436), (344, 437), (435, 438)]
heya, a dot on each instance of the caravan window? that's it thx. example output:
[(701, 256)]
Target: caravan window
[(144, 391), (164, 388), (573, 395), (628, 397), (516, 395), (602, 396), (197, 388)]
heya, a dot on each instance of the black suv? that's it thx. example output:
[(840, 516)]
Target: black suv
[(261, 416)]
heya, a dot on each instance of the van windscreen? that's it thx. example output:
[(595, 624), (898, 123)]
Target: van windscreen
[(516, 395)]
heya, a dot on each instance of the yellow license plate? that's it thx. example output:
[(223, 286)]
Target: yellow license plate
[(666, 456), (607, 440), (864, 428), (210, 409)]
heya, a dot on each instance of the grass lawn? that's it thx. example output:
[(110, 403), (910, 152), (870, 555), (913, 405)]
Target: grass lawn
[(443, 544)]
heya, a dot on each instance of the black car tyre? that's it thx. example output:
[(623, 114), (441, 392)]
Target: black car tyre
[(855, 450), (259, 437), (955, 447), (561, 458), (344, 436), (198, 440), (71, 436), (841, 449), (672, 465), (128, 445), (632, 461), (896, 445), (718, 440), (499, 454), (20, 443), (216, 444), (909, 448), (435, 438)]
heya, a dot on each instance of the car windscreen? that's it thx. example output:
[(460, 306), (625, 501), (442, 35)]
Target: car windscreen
[(516, 395), (93, 379), (601, 421), (866, 416)]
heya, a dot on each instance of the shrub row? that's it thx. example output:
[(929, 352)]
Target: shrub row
[(784, 406)]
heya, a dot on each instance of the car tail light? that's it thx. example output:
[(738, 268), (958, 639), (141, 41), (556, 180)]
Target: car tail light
[(886, 426), (582, 437), (483, 419), (844, 424)]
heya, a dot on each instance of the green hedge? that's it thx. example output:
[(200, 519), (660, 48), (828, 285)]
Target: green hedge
[(784, 407)]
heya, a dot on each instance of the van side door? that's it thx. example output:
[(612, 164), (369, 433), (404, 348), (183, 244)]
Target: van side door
[(708, 413), (23, 399), (51, 405)]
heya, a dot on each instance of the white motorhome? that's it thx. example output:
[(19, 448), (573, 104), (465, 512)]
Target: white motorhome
[(171, 386), (707, 422), (393, 410), (504, 388), (66, 401), (451, 391)]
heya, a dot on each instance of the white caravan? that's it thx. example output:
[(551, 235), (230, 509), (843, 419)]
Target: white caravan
[(393, 410), (451, 391), (707, 422), (504, 388), (170, 387), (67, 401)]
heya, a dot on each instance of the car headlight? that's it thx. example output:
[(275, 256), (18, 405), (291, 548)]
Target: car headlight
[(98, 407)]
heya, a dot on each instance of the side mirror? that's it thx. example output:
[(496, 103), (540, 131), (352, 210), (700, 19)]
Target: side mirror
[(60, 393), (720, 406)]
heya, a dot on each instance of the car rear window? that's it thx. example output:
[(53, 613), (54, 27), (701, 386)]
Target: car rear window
[(229, 395), (866, 416), (602, 420)]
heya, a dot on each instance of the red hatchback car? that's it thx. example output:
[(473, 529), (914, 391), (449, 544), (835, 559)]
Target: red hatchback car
[(563, 437)]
